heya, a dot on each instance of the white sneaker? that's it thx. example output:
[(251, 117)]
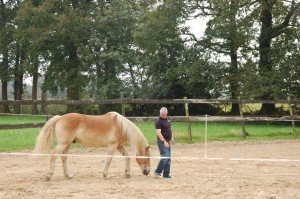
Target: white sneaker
[(157, 175), (169, 177)]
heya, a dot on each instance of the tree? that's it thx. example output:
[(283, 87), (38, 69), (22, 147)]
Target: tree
[(161, 46), (233, 30), (226, 35), (271, 29), (11, 52), (111, 45), (18, 73), (4, 53), (58, 34), (32, 21), (7, 12)]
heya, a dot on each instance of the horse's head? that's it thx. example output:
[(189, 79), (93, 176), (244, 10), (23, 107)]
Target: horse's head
[(144, 162)]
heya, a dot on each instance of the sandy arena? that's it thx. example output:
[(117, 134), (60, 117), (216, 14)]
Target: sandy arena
[(261, 172)]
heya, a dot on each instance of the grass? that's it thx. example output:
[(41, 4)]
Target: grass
[(19, 119), (221, 132), (19, 139)]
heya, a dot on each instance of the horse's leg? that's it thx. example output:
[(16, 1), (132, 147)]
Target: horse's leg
[(124, 152), (58, 150), (110, 152), (64, 163)]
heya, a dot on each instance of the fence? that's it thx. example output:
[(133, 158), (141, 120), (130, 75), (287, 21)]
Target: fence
[(185, 102)]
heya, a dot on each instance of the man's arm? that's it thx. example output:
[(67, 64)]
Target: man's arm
[(172, 139), (161, 137)]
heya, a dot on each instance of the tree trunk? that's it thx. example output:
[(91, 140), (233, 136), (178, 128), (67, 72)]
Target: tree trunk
[(4, 80), (74, 82), (34, 109), (18, 80), (234, 83), (5, 74), (233, 71), (5, 108), (265, 62)]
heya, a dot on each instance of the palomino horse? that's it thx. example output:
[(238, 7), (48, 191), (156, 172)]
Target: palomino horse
[(111, 130)]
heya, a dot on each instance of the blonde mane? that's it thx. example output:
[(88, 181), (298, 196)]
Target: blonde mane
[(132, 134)]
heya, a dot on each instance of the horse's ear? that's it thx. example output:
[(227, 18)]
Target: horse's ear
[(147, 148)]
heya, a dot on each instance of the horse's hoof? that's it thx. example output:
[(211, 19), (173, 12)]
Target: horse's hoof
[(47, 178), (69, 176), (127, 175), (104, 176)]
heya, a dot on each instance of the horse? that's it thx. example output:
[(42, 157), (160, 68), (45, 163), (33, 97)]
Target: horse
[(111, 130)]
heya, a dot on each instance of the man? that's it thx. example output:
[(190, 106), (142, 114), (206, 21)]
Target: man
[(164, 136)]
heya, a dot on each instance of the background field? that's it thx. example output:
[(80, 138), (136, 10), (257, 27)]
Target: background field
[(18, 139)]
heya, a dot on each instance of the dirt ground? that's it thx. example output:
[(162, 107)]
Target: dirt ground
[(244, 170)]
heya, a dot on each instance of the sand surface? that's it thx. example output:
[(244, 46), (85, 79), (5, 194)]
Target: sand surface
[(249, 169)]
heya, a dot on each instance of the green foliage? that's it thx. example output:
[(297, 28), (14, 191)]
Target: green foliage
[(8, 12), (55, 35), (254, 63), (158, 36), (98, 49), (275, 22)]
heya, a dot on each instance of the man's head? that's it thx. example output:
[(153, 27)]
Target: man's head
[(163, 112)]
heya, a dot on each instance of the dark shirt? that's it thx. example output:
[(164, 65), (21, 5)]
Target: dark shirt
[(165, 125)]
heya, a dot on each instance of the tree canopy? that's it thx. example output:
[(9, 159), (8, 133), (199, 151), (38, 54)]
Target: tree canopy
[(97, 49)]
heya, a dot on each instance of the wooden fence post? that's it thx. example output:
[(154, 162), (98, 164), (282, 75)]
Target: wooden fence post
[(292, 116), (45, 106), (99, 109), (187, 114), (123, 104), (244, 133)]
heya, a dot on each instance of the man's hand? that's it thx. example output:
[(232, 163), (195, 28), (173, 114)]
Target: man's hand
[(166, 144)]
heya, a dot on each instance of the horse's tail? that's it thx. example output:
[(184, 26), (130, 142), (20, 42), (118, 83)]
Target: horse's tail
[(46, 136)]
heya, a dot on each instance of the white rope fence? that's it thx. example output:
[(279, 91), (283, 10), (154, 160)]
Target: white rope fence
[(152, 157), (158, 157)]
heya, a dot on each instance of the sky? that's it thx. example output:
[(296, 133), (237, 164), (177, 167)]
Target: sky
[(197, 26)]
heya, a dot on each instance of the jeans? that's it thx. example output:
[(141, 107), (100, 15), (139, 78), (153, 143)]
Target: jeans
[(164, 164)]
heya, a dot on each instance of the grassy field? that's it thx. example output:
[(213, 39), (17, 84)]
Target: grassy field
[(18, 139), (19, 119), (220, 131)]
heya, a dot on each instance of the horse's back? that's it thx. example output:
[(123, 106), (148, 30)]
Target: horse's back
[(89, 130), (76, 120)]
